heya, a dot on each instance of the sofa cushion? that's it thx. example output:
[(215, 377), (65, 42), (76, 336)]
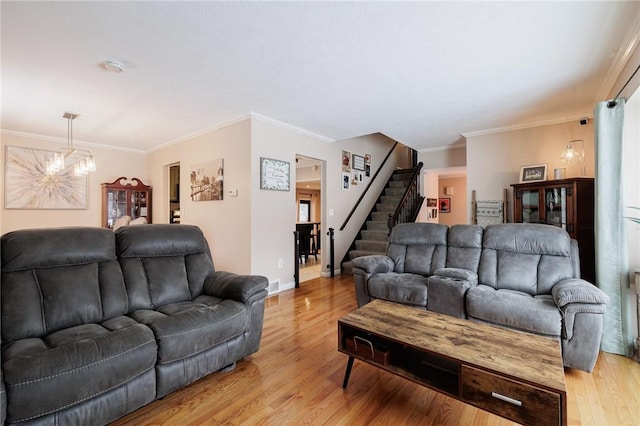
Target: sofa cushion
[(530, 258), (187, 328), (162, 263), (514, 309), (464, 246), (58, 278), (73, 365), (409, 289), (418, 248)]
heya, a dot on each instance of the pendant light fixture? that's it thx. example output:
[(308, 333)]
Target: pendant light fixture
[(572, 156), (81, 160)]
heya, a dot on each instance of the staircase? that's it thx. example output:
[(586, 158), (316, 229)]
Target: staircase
[(374, 234)]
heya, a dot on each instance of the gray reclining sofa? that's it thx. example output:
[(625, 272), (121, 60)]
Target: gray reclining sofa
[(521, 276), (96, 324)]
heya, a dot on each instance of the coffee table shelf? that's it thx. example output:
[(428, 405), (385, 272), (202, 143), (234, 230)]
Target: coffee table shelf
[(515, 375)]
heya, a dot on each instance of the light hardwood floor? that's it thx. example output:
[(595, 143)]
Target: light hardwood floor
[(296, 379)]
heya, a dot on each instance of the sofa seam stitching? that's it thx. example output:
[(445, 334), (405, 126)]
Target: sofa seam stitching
[(82, 367), (57, 410)]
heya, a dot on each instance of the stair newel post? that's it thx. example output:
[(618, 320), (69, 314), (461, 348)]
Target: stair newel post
[(296, 258), (331, 252)]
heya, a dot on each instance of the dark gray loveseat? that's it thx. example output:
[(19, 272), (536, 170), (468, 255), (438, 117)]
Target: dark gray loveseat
[(522, 276), (97, 324)]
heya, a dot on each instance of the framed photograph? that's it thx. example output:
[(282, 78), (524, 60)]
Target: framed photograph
[(367, 159), (346, 181), (533, 173), (432, 202), (207, 181), (445, 205), (346, 161), (28, 187), (274, 174), (358, 162)]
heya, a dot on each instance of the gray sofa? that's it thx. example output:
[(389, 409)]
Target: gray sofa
[(96, 324), (521, 276)]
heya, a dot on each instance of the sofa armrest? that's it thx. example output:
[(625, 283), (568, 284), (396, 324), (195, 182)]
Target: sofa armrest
[(374, 264), (242, 288), (576, 296), (575, 290), (447, 288)]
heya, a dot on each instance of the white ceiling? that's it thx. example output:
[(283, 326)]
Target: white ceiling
[(422, 73)]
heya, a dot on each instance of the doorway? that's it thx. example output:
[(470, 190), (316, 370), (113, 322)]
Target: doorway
[(174, 193), (309, 214)]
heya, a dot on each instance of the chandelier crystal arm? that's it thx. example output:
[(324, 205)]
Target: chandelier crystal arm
[(81, 160)]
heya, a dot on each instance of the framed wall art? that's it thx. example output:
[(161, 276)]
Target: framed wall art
[(274, 174), (207, 181), (28, 187), (358, 162), (534, 173), (346, 161), (445, 205), (346, 178)]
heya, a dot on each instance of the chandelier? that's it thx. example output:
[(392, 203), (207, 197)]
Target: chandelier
[(572, 156), (81, 160)]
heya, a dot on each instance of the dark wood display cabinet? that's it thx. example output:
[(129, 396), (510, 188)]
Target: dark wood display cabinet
[(565, 203), (123, 197)]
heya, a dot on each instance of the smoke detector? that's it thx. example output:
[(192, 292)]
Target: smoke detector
[(113, 66)]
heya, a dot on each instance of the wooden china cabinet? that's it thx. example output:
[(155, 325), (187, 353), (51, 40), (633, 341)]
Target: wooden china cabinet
[(565, 203), (123, 197)]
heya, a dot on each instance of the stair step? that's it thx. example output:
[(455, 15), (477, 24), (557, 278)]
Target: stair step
[(395, 191), (391, 199), (379, 217), (398, 184), (375, 235), (385, 208), (359, 253), (346, 268), (402, 176), (378, 225), (371, 245)]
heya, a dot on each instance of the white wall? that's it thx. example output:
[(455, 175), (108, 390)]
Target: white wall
[(226, 223), (494, 160), (430, 190), (252, 232), (274, 212), (443, 158), (110, 163)]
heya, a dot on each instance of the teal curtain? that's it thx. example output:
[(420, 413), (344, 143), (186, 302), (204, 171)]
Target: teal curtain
[(612, 270)]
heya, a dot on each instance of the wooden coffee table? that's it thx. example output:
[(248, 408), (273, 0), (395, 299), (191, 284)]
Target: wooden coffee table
[(516, 375)]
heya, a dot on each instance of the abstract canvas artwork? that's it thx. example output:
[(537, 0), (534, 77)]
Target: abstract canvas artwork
[(27, 186)]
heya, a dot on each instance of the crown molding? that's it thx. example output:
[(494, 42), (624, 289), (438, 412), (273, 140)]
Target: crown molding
[(525, 126), (196, 134), (443, 148), (290, 127), (64, 141), (618, 64), (251, 115)]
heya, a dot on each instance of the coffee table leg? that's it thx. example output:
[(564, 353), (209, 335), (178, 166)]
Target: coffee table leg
[(347, 373)]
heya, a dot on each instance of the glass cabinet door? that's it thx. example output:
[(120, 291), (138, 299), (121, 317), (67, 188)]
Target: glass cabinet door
[(530, 206), (555, 204)]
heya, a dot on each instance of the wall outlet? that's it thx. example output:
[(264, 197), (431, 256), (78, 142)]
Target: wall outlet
[(280, 263)]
